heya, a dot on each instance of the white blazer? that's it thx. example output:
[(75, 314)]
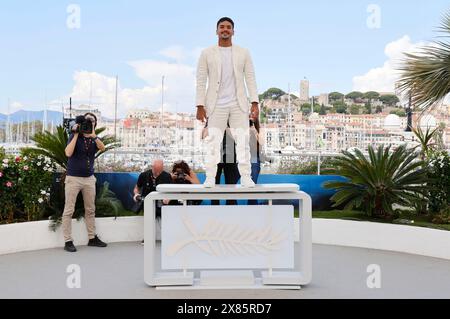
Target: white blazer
[(209, 71)]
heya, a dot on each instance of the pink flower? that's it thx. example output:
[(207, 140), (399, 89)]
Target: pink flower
[(1, 174), (26, 167), (9, 184)]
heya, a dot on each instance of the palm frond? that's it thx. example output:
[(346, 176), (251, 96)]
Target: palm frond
[(426, 74), (445, 23), (378, 181), (51, 145), (107, 200), (54, 145)]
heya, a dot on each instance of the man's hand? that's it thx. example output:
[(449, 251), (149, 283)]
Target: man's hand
[(254, 111), (201, 113), (137, 197)]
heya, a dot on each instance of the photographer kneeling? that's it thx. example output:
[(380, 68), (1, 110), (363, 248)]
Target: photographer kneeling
[(81, 148), (182, 174)]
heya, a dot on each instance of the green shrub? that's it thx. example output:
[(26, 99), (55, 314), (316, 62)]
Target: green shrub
[(439, 185), (377, 182), (24, 187)]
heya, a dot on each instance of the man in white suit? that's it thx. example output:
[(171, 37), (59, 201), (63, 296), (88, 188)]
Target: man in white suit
[(225, 75)]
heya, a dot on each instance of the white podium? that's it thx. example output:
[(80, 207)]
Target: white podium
[(262, 255)]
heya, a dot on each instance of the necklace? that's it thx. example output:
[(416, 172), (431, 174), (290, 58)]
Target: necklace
[(87, 145)]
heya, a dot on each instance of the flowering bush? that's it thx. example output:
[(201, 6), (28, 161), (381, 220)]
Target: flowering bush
[(8, 188), (439, 172), (24, 186)]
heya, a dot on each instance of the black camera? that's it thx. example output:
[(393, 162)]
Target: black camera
[(180, 176), (251, 122), (84, 125), (139, 204), (68, 123)]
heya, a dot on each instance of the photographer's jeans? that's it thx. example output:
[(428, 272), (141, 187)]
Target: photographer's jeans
[(73, 185)]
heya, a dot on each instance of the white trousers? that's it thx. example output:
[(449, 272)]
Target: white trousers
[(239, 128)]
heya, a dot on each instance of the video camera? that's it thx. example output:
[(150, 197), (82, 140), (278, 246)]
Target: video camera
[(84, 125)]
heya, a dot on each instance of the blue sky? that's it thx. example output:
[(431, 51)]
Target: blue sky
[(329, 42)]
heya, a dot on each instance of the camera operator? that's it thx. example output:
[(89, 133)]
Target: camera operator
[(81, 148)]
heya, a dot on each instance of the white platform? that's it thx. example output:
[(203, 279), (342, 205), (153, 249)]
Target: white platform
[(199, 188), (281, 277), (227, 278), (268, 192), (173, 278), (258, 285)]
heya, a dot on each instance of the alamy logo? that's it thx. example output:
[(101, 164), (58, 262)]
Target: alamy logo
[(374, 19), (74, 19), (74, 279), (374, 279)]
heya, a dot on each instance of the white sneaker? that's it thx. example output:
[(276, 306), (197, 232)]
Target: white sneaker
[(246, 181), (209, 182)]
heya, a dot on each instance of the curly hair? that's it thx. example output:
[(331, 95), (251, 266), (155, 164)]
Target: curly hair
[(93, 115), (181, 165)]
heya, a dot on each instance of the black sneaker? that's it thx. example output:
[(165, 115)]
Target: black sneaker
[(70, 247), (96, 242), (142, 242)]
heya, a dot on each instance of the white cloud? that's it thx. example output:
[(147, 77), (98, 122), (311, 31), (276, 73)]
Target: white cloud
[(383, 78), (15, 106), (179, 82), (99, 90), (175, 52), (180, 54), (179, 85)]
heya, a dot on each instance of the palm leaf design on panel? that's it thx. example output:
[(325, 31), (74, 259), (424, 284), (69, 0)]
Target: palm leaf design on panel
[(219, 239)]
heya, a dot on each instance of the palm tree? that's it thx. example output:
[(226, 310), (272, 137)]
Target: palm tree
[(376, 183), (53, 145), (426, 75), (426, 140)]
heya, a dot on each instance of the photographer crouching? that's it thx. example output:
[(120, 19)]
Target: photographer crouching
[(183, 174), (81, 148), (146, 183)]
